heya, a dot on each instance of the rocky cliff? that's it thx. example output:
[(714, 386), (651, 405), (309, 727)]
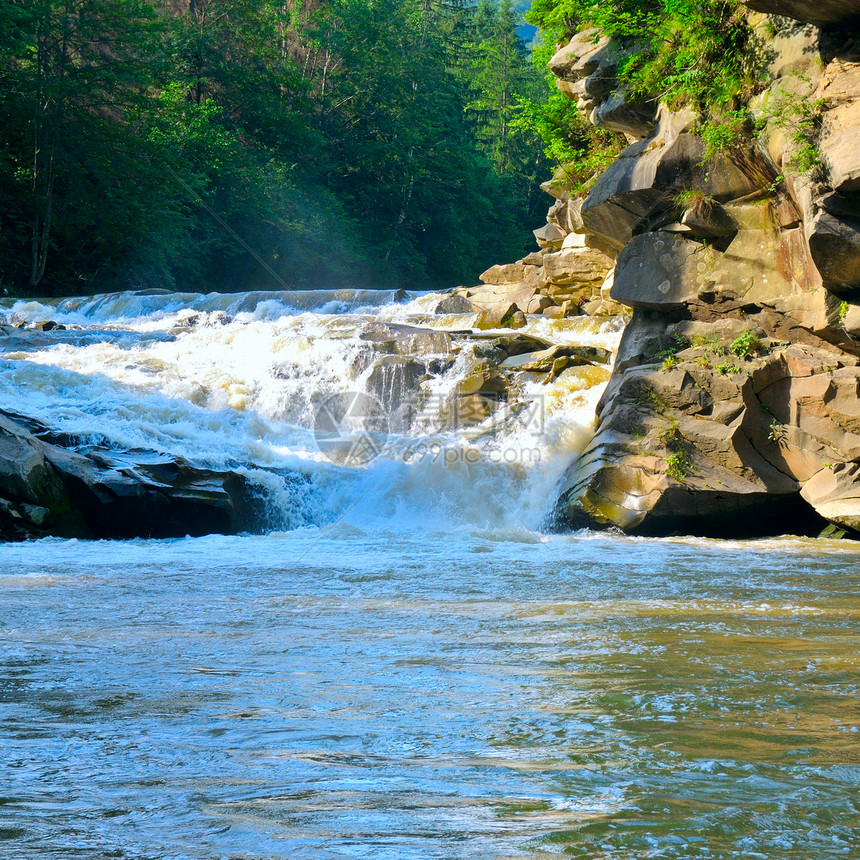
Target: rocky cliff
[(734, 405)]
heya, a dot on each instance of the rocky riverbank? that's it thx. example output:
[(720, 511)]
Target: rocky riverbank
[(734, 405)]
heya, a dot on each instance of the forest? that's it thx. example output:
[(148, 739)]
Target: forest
[(264, 144)]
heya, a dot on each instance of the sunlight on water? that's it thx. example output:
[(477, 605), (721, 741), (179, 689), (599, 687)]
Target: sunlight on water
[(473, 693)]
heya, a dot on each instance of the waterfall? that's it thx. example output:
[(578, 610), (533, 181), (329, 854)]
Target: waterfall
[(355, 405)]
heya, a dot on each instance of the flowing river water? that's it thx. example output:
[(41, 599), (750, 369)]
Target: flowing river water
[(406, 664)]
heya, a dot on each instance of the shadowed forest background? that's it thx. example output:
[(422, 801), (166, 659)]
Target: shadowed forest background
[(215, 145)]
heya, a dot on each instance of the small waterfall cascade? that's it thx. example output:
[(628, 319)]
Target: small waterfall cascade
[(351, 405)]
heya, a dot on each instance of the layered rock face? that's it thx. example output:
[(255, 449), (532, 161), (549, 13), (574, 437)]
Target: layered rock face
[(734, 405), (49, 489)]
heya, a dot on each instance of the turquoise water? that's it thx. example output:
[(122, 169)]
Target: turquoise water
[(409, 693)]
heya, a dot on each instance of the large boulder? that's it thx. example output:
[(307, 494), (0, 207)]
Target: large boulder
[(648, 176), (659, 271), (33, 500), (49, 489), (834, 244), (405, 339), (576, 266), (511, 273)]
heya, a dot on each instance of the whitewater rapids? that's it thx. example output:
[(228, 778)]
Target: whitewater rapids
[(236, 381)]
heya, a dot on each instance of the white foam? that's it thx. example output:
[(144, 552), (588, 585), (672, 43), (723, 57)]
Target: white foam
[(234, 381)]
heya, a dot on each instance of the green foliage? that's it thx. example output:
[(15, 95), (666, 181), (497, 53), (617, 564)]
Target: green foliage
[(746, 344), (670, 346), (699, 53), (689, 199), (679, 464), (724, 369), (674, 343), (235, 144), (843, 311), (582, 150), (799, 116), (645, 396), (724, 129), (711, 343)]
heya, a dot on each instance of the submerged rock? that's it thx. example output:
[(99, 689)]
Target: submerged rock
[(455, 305)]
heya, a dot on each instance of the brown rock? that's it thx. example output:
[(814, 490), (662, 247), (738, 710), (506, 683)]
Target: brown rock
[(576, 266), (549, 236), (455, 305), (835, 494), (510, 273), (658, 271), (835, 248)]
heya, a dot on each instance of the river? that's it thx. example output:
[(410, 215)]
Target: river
[(405, 663)]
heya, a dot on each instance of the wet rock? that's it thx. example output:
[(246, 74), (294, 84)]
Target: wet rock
[(835, 494), (455, 305), (28, 481), (555, 312), (543, 361), (48, 489), (483, 380), (394, 378), (405, 339), (497, 316), (517, 343)]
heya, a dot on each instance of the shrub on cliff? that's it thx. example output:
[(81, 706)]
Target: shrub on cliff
[(697, 53)]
